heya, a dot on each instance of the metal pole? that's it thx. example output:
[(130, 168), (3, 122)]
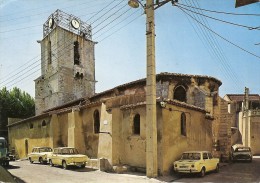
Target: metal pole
[(151, 124)]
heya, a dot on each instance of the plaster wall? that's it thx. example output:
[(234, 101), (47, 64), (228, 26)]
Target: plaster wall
[(255, 137), (22, 138), (198, 129)]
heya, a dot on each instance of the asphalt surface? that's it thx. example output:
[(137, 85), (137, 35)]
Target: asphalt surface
[(5, 176)]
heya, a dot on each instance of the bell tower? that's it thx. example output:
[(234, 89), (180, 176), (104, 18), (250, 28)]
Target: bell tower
[(67, 62)]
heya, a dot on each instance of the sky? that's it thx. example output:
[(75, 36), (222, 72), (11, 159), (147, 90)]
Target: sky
[(193, 37)]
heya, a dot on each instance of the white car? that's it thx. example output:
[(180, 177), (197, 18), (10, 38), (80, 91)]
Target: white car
[(40, 154)]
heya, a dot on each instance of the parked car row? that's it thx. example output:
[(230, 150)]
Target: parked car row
[(61, 156), (200, 162)]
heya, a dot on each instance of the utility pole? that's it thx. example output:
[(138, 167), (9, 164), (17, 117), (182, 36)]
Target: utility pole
[(151, 119), (151, 122), (246, 111)]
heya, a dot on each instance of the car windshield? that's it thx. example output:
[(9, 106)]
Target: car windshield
[(69, 151), (244, 149), (190, 156), (45, 149)]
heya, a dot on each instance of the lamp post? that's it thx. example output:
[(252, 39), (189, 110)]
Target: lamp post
[(151, 122)]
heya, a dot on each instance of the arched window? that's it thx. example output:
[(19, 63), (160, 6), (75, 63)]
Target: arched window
[(180, 94), (49, 52), (31, 126), (96, 121), (183, 124), (136, 127), (43, 123), (76, 53)]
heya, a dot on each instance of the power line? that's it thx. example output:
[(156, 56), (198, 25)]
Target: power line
[(220, 35), (120, 22), (220, 12), (240, 25), (36, 70)]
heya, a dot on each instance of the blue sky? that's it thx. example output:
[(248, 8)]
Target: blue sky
[(182, 44)]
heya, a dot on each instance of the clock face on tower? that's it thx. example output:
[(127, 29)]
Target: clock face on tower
[(75, 23), (51, 23)]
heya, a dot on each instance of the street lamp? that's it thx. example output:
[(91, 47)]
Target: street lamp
[(151, 122)]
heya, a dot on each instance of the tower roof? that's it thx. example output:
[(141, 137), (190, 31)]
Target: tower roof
[(68, 22)]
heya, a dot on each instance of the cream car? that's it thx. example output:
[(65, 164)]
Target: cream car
[(196, 162), (240, 152), (40, 154), (67, 156)]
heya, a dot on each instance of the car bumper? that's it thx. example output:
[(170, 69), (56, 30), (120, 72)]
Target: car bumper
[(76, 163), (186, 170)]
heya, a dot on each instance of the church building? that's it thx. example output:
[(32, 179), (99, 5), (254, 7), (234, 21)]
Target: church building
[(111, 125)]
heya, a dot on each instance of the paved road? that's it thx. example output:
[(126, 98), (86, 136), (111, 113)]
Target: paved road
[(31, 173), (243, 172)]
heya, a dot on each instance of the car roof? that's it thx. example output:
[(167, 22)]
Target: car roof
[(64, 147), (196, 152)]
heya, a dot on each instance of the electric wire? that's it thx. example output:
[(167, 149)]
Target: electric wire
[(209, 44), (220, 12), (219, 52), (25, 76), (106, 12), (112, 21), (30, 66), (220, 35), (120, 28), (223, 21), (120, 23)]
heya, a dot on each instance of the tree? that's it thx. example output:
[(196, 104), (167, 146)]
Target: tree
[(14, 104)]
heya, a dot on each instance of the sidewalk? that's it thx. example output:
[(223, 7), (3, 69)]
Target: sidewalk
[(5, 176)]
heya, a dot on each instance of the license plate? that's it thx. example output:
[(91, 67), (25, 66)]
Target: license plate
[(183, 167)]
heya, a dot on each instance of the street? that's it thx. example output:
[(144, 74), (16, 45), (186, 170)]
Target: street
[(30, 173)]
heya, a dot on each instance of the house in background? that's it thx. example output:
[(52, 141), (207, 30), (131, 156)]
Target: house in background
[(245, 124)]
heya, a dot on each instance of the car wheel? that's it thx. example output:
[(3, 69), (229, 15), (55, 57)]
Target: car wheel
[(41, 160), (30, 160), (217, 168), (51, 164), (202, 172), (64, 165), (83, 166)]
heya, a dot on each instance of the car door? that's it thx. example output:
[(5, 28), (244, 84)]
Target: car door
[(212, 163), (206, 161), (33, 156), (54, 156)]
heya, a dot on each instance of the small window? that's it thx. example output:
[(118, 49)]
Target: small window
[(183, 124), (210, 156), (205, 155), (49, 53), (76, 53), (96, 121), (43, 123), (31, 126), (136, 127)]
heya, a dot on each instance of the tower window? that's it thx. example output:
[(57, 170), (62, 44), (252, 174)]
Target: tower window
[(96, 122), (31, 126), (76, 53), (43, 123), (180, 94), (49, 52), (183, 124), (136, 127)]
